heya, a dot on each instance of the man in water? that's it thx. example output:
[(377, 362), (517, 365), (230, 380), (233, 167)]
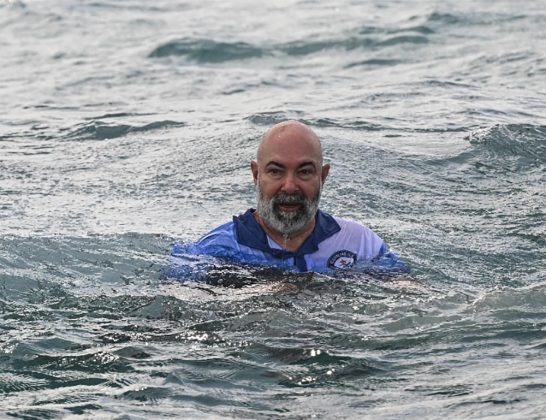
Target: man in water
[(287, 230)]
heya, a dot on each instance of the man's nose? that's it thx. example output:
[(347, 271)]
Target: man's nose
[(290, 184)]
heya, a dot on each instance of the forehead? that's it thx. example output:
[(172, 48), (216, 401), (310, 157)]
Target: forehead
[(290, 145)]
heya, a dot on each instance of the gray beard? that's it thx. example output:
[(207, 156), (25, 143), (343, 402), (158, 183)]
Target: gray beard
[(287, 223)]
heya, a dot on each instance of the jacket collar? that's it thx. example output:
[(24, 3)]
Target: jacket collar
[(251, 234)]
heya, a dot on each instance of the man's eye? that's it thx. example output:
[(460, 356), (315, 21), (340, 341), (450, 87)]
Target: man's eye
[(306, 172)]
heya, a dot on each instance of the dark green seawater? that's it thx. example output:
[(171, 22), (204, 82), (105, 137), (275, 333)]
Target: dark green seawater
[(125, 126)]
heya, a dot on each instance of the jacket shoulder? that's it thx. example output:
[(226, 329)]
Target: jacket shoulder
[(222, 236)]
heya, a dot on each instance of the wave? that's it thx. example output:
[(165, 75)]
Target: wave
[(524, 143), (403, 39), (374, 62), (273, 117), (210, 51), (16, 382), (439, 19), (502, 148), (419, 30), (445, 19), (100, 130), (207, 50), (300, 48)]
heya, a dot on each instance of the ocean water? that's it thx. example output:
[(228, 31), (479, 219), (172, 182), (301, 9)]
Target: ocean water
[(128, 125)]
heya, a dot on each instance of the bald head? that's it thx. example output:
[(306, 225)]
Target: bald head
[(290, 135), (290, 145)]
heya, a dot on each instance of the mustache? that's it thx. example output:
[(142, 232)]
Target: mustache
[(284, 198)]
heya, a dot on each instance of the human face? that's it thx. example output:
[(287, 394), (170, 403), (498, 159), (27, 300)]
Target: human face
[(288, 177), (301, 213)]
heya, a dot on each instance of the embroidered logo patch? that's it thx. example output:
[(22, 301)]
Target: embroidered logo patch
[(342, 260)]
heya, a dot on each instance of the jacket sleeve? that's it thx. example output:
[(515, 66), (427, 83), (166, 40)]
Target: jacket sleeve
[(193, 261), (385, 262)]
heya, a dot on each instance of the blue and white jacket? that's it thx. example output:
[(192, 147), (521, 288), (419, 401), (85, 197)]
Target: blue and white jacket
[(335, 244)]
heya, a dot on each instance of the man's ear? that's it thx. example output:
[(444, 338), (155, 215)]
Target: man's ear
[(325, 171), (254, 169)]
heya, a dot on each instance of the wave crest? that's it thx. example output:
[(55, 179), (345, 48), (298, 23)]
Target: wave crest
[(100, 130), (207, 50), (525, 142)]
